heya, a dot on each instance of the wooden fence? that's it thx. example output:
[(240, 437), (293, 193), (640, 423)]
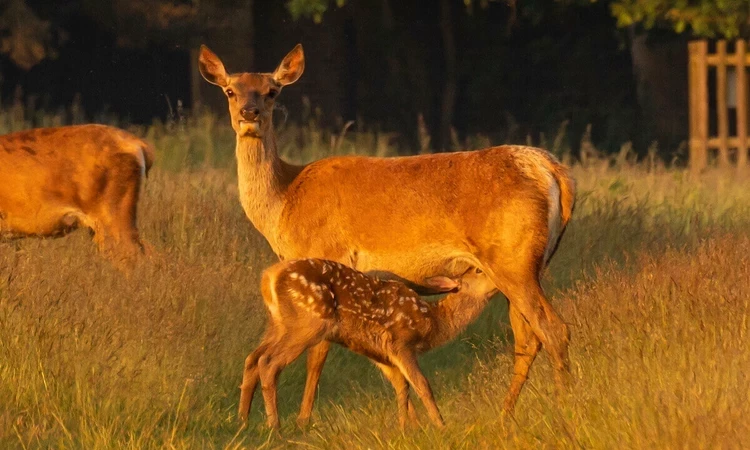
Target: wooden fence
[(731, 96)]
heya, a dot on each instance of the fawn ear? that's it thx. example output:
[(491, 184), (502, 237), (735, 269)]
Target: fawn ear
[(441, 284), (212, 68), (291, 67)]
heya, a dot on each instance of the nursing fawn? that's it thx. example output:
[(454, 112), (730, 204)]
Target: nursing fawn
[(313, 300)]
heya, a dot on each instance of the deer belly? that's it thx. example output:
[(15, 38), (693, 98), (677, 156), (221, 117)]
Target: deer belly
[(43, 222), (367, 339), (413, 264)]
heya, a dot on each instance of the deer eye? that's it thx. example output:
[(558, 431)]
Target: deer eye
[(272, 93), (230, 93), (478, 270)]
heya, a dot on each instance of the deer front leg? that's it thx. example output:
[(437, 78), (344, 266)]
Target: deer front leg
[(407, 363), (316, 358)]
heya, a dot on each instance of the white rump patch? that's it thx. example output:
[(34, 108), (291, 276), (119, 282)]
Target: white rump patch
[(537, 165), (554, 218), (142, 161), (273, 307)]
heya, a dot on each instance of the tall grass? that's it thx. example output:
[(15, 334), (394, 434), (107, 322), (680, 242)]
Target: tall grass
[(652, 275)]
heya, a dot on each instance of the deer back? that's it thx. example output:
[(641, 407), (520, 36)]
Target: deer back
[(418, 213)]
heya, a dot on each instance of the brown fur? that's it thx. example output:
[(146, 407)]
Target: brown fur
[(57, 179), (417, 216), (310, 301)]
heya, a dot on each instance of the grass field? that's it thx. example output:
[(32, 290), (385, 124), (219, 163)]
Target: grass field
[(653, 276)]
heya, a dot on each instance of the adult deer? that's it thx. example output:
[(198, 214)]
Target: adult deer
[(501, 209), (311, 301), (54, 180)]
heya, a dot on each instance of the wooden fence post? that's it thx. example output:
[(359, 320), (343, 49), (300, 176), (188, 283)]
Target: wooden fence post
[(698, 85), (722, 113), (741, 92)]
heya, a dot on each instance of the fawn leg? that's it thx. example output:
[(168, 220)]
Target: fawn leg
[(401, 386), (285, 350), (250, 376), (526, 348), (407, 363), (316, 358)]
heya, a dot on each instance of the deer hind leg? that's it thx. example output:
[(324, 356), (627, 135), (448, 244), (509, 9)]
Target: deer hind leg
[(316, 358), (406, 412), (406, 362), (526, 348), (529, 300), (284, 350), (117, 216)]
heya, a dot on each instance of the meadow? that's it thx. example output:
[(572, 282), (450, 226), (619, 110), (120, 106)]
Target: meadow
[(652, 275)]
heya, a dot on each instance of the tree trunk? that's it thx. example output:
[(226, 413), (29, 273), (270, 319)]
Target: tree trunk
[(660, 71), (448, 101)]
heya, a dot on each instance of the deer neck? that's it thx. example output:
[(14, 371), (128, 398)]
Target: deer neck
[(262, 181), (453, 314)]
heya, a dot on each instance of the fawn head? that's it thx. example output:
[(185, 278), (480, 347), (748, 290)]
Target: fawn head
[(474, 282), (251, 96)]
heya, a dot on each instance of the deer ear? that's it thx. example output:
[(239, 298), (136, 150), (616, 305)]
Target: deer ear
[(291, 67), (441, 284), (212, 68)]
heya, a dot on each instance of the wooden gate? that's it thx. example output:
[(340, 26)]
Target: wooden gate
[(728, 106)]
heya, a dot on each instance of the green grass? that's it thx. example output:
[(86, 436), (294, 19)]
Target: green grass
[(652, 275)]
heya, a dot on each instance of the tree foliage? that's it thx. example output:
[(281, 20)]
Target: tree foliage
[(24, 37), (137, 22), (313, 9), (710, 18), (28, 39)]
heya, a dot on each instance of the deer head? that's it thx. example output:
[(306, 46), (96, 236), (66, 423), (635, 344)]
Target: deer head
[(251, 96)]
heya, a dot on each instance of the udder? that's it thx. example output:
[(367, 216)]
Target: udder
[(416, 264)]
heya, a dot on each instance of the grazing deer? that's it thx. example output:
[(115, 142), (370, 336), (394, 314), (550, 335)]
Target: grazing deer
[(312, 300), (502, 209), (57, 179)]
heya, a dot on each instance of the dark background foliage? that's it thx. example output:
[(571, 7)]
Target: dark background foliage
[(511, 71)]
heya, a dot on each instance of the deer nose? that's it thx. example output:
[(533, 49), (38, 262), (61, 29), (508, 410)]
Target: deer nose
[(250, 112)]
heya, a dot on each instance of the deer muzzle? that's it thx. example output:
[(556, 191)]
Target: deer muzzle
[(249, 127)]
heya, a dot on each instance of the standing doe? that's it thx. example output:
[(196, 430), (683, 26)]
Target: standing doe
[(52, 180), (502, 209), (312, 300)]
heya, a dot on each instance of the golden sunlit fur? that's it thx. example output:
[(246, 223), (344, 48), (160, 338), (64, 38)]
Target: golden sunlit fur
[(501, 209), (57, 179)]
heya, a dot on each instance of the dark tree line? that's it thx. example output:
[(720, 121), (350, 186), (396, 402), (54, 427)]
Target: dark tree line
[(503, 68)]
